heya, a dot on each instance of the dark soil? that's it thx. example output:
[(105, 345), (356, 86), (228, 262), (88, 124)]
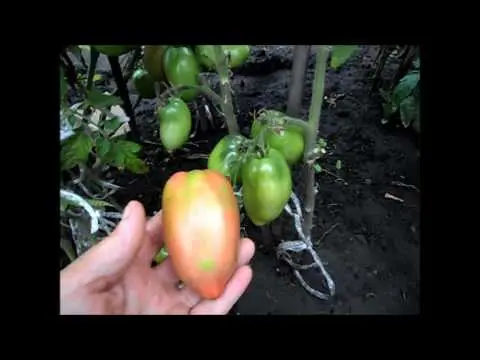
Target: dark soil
[(372, 250)]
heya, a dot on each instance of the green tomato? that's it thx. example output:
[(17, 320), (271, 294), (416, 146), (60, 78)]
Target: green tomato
[(238, 55), (267, 185), (181, 68), (289, 141), (114, 50), (225, 157), (144, 83), (153, 61), (175, 124)]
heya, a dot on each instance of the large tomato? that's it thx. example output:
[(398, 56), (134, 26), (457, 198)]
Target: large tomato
[(175, 123), (267, 186), (181, 68), (144, 83), (288, 140), (153, 61), (114, 50), (201, 224), (225, 156), (238, 55)]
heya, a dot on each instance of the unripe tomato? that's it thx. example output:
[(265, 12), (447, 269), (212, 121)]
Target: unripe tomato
[(153, 61), (181, 68), (175, 123), (114, 50), (267, 186), (201, 224), (225, 156), (144, 83), (238, 55), (289, 141)]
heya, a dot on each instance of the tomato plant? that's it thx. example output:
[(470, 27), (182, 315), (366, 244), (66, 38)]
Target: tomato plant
[(286, 138), (226, 156), (181, 68), (175, 123), (267, 185), (201, 229)]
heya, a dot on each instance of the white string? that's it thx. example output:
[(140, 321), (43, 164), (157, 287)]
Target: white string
[(305, 243)]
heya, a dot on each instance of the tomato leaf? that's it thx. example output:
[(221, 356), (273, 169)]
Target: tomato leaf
[(405, 87), (317, 168), (341, 53), (103, 146), (123, 155), (136, 165), (99, 204), (408, 111), (112, 125), (75, 150), (99, 100)]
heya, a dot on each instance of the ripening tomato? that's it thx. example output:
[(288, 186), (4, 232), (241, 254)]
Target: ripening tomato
[(153, 61), (201, 225), (181, 68), (237, 55), (114, 50), (267, 186), (289, 140), (225, 156), (175, 123), (144, 83)]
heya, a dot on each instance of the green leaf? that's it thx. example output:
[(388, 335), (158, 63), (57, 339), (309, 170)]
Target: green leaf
[(99, 204), (75, 150), (112, 125), (99, 100), (317, 168), (341, 53), (103, 146), (338, 165), (123, 155), (136, 165), (408, 111), (405, 87)]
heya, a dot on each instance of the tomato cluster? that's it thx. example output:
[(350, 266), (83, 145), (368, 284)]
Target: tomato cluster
[(262, 164)]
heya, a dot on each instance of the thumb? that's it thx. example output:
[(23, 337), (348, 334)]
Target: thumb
[(112, 255)]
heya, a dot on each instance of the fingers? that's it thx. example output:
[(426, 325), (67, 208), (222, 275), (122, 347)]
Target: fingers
[(154, 240), (246, 252), (235, 288), (115, 253)]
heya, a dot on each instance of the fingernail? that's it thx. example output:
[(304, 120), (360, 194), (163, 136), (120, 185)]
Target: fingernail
[(127, 211)]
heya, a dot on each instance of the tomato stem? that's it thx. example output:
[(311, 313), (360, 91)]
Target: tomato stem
[(226, 102), (315, 110), (123, 92), (295, 93)]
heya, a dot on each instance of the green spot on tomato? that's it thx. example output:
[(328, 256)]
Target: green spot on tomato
[(207, 265)]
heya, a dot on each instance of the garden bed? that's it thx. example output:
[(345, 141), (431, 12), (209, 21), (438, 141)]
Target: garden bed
[(370, 242)]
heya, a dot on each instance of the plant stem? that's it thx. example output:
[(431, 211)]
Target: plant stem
[(295, 94), (123, 92), (225, 90), (94, 54), (311, 137)]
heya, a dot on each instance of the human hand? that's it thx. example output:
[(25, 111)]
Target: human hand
[(115, 276)]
